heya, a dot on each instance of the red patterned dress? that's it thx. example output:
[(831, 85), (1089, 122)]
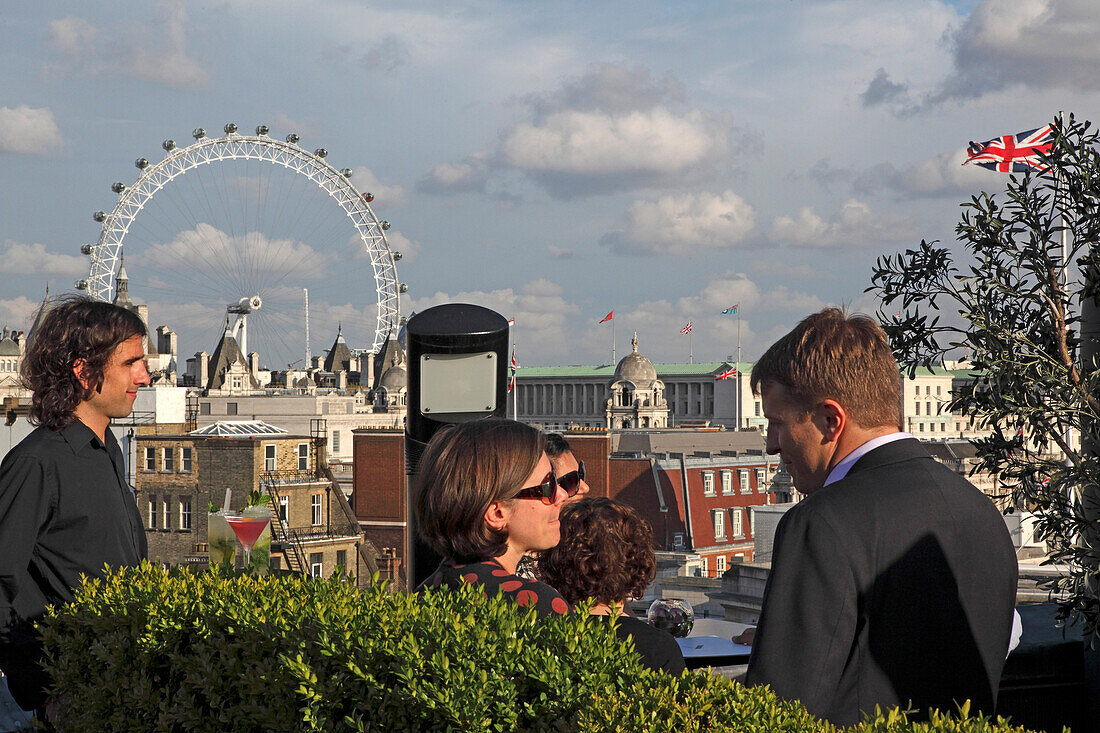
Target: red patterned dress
[(493, 578)]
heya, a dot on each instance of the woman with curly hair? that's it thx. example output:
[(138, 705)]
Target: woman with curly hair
[(487, 496), (606, 553)]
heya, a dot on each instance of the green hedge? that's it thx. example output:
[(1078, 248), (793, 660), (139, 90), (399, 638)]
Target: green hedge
[(149, 649)]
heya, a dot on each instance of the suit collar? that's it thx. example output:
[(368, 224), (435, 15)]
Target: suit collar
[(895, 452)]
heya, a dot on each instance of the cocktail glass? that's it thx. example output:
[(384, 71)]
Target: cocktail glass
[(220, 540), (248, 527), (261, 549)]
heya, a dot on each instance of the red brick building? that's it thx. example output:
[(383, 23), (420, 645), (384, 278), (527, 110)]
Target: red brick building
[(699, 501)]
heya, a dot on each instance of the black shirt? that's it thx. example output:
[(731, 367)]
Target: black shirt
[(65, 509), (493, 579), (659, 649)]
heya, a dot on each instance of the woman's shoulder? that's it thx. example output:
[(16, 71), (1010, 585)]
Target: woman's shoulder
[(659, 649), (493, 578)]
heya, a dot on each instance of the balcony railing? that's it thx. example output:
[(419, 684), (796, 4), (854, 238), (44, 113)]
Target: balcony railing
[(312, 534)]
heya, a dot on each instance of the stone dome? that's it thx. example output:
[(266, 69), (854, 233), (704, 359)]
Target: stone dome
[(8, 347), (394, 378), (636, 368)]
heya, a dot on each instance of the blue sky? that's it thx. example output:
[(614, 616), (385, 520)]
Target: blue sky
[(552, 161)]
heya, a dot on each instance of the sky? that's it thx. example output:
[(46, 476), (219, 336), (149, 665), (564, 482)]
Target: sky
[(551, 161)]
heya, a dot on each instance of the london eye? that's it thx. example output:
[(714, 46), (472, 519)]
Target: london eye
[(235, 243)]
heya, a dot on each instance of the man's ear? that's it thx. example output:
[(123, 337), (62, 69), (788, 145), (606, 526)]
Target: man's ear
[(496, 516), (80, 369), (831, 418)]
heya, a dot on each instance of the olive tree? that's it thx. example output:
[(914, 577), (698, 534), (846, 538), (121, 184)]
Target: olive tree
[(1011, 301)]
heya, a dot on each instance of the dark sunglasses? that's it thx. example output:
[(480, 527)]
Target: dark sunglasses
[(546, 491), (571, 481)]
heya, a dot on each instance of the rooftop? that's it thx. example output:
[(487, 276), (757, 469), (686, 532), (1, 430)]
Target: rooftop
[(241, 428)]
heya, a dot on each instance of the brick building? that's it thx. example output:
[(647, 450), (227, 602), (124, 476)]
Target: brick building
[(178, 476), (697, 489)]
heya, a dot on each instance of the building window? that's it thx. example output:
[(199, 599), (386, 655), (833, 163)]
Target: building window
[(230, 408), (916, 391), (920, 427), (727, 482), (152, 512), (335, 441), (150, 459), (269, 457), (720, 564), (204, 408), (744, 478), (927, 389), (316, 564), (303, 456), (166, 510), (342, 558), (185, 460), (284, 507), (168, 455), (761, 479), (708, 483), (927, 408), (705, 566), (752, 521), (720, 524), (943, 427), (757, 408), (916, 408), (185, 512), (678, 540), (315, 509), (735, 516), (937, 390)]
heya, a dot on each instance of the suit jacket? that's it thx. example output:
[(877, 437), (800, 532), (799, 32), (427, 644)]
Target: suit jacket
[(894, 585)]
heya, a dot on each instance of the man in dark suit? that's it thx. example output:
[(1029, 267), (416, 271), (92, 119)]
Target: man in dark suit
[(893, 583)]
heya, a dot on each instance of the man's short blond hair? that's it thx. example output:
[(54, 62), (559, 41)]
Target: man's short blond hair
[(831, 355)]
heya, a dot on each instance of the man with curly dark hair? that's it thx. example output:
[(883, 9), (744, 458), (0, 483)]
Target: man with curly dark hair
[(66, 509), (606, 554)]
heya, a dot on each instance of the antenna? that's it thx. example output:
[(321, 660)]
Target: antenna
[(309, 358)]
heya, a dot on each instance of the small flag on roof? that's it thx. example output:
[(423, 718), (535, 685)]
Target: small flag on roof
[(1017, 153), (731, 310), (686, 329), (608, 317), (728, 374)]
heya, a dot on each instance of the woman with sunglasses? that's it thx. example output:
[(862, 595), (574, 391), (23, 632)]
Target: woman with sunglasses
[(567, 468), (487, 497)]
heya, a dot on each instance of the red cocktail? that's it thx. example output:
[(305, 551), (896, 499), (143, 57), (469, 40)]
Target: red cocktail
[(248, 530)]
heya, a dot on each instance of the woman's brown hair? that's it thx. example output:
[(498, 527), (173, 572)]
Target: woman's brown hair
[(465, 468), (606, 553)]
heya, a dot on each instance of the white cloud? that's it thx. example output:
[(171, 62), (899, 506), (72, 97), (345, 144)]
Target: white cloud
[(560, 253), (1037, 43), (853, 225), (29, 259), (942, 175), (471, 174), (684, 225), (409, 248), (600, 143), (28, 130), (207, 250), (154, 52), (18, 313), (385, 196)]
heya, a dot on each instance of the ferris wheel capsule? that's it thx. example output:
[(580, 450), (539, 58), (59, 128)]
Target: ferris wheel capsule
[(368, 197), (118, 186), (81, 285), (385, 225), (261, 129), (320, 152), (169, 145), (397, 256), (402, 288), (87, 249), (100, 216), (293, 138), (198, 133), (230, 128), (346, 172), (141, 163)]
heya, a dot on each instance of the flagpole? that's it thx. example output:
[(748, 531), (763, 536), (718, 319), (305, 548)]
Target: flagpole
[(515, 383), (691, 349), (613, 362)]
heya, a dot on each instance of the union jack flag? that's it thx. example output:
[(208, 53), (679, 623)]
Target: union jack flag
[(728, 374), (1017, 153), (514, 365), (686, 329)]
